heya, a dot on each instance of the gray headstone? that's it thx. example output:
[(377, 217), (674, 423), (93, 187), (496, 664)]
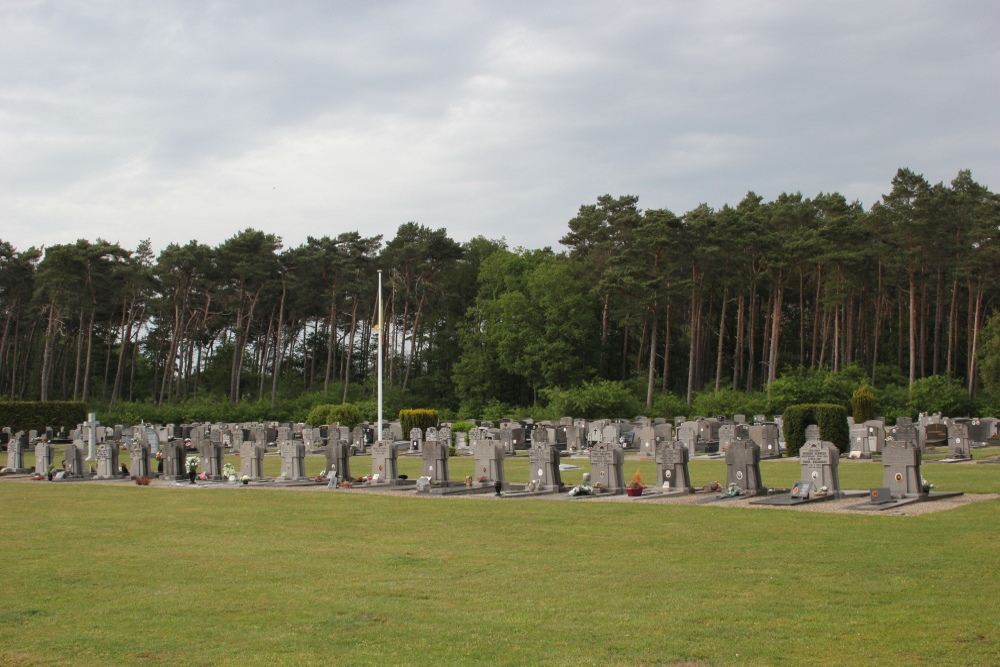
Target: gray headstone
[(384, 461), (819, 461), (743, 466), (293, 458), (901, 469), (489, 456), (139, 460), (544, 467), (435, 461), (606, 463), (672, 466)]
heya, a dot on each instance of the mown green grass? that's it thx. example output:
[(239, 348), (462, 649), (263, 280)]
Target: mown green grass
[(98, 574)]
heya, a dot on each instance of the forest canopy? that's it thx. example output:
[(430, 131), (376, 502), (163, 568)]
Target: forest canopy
[(671, 311)]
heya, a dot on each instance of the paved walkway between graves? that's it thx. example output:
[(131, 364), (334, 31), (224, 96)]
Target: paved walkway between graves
[(841, 506)]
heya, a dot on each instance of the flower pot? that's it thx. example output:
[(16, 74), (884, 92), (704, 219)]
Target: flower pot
[(633, 492), (245, 482), (191, 475)]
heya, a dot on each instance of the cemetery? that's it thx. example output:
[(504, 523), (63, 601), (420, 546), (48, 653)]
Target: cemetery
[(256, 559)]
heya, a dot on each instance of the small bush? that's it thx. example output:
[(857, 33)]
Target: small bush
[(863, 404), (422, 419)]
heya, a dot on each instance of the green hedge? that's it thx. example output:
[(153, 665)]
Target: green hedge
[(345, 414), (422, 419), (831, 419), (37, 415)]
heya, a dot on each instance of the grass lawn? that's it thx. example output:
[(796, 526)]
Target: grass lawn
[(100, 574)]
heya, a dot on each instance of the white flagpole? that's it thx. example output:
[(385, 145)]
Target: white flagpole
[(378, 428)]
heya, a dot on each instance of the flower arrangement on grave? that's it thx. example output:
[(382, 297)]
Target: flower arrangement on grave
[(926, 486), (245, 479), (142, 481), (159, 455), (229, 471), (635, 485), (192, 463), (733, 489)]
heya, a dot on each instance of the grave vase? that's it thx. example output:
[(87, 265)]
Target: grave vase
[(192, 474)]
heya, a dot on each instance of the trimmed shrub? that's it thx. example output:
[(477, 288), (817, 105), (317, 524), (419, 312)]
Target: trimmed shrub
[(27, 415), (863, 404), (345, 414), (831, 419), (422, 419)]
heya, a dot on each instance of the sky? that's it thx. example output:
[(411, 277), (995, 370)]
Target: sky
[(193, 120)]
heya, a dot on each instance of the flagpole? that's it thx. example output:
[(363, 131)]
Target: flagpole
[(378, 428)]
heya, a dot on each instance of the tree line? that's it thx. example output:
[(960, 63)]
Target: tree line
[(710, 300)]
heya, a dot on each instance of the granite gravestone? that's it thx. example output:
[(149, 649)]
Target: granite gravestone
[(107, 461), (766, 437), (73, 459), (647, 442), (743, 467), (687, 434), (606, 463), (819, 462), (338, 458), (727, 433), (252, 459), (958, 442), (672, 467), (293, 460), (435, 461), (15, 453), (489, 456), (213, 458), (174, 461), (384, 468), (859, 442), (139, 459), (901, 469), (876, 435), (416, 439), (44, 454), (543, 463)]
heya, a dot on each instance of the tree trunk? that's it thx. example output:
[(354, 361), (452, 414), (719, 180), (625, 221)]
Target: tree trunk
[(722, 338), (651, 378), (738, 352), (277, 351)]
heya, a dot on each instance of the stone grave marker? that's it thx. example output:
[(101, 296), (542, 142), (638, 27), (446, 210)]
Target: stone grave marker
[(252, 459), (819, 462), (740, 419), (43, 456), (416, 439), (687, 433), (647, 442), (543, 462), (812, 433), (901, 469), (958, 442), (611, 434), (672, 467), (358, 439), (905, 432), (489, 456), (435, 461), (766, 437), (213, 457), (431, 434), (727, 433), (876, 435), (338, 458), (15, 453), (384, 462), (606, 463), (576, 438), (859, 442), (979, 432), (174, 461), (139, 459), (73, 463), (743, 467), (293, 459), (107, 461), (444, 435)]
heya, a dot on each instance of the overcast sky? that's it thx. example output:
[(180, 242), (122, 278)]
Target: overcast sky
[(175, 120)]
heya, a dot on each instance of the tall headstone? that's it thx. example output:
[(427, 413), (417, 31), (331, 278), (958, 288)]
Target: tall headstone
[(766, 437), (91, 435), (358, 439), (876, 434), (672, 467), (174, 460), (15, 453), (743, 466), (252, 459), (543, 462), (73, 463), (139, 459), (727, 433), (489, 455), (384, 461), (647, 442), (338, 458), (901, 469), (293, 458), (107, 461), (435, 461), (959, 446), (43, 456), (687, 433), (213, 457), (606, 463), (416, 439)]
